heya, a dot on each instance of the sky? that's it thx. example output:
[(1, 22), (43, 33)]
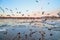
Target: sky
[(28, 6)]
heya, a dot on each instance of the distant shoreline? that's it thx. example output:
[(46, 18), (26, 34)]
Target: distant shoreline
[(44, 17)]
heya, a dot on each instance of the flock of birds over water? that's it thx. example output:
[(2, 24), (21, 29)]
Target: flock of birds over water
[(18, 12), (18, 36)]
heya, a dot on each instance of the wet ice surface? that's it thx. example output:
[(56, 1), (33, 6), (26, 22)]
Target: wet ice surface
[(16, 29)]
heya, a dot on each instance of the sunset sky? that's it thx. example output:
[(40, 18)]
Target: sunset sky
[(28, 6)]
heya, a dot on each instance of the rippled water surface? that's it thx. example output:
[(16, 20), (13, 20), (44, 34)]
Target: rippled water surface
[(23, 29)]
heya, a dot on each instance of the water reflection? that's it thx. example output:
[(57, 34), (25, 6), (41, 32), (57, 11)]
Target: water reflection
[(29, 29)]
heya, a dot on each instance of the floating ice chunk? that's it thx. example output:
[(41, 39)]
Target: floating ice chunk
[(51, 23), (2, 29)]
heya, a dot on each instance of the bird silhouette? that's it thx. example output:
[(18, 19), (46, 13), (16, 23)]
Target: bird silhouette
[(58, 14), (19, 12), (2, 9), (42, 12), (16, 8), (16, 12), (8, 15), (37, 1), (27, 10), (6, 8), (11, 11), (13, 14), (28, 15), (1, 15), (48, 14), (48, 3), (22, 14)]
